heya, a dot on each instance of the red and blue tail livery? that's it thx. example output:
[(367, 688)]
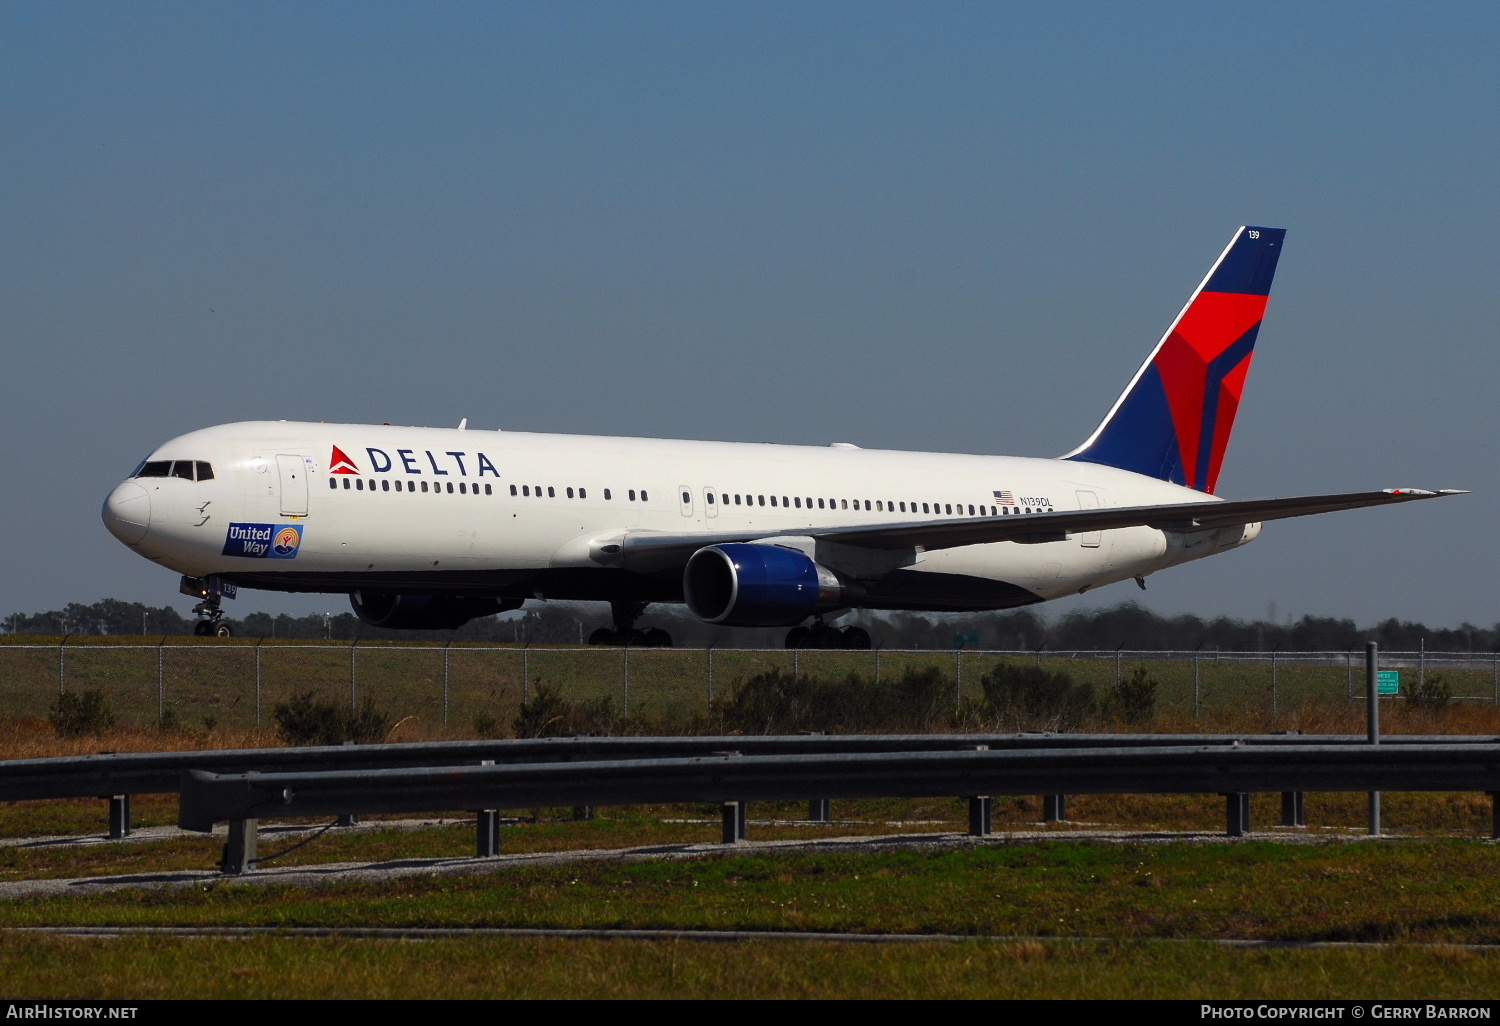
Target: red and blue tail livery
[(1173, 420)]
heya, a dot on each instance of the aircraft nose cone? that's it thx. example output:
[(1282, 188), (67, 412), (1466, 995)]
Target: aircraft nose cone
[(127, 512)]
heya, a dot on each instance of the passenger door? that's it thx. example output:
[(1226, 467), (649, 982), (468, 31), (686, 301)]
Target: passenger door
[(293, 472), (685, 500), (711, 501)]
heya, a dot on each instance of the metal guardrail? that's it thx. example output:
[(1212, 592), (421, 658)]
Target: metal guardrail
[(732, 779), (107, 774)]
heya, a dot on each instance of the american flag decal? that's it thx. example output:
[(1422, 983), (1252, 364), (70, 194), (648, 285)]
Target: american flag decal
[(1005, 498)]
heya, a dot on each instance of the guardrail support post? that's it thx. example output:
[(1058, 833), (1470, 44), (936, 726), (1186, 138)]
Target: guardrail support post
[(1054, 808), (819, 810), (1292, 814), (348, 819), (581, 813), (488, 833), (1236, 815), (1372, 721), (734, 822), (239, 851), (119, 817), (980, 808)]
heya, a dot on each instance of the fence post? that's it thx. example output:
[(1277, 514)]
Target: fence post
[(62, 665), (161, 682), (878, 649), (1372, 720), (1422, 664), (1273, 679), (958, 687), (445, 683), (796, 663), (258, 643), (1348, 675), (1497, 678), (352, 647), (1117, 666), (525, 671), (710, 677), (1195, 682), (625, 687)]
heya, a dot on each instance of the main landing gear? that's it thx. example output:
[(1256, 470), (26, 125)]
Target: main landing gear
[(625, 614), (820, 635)]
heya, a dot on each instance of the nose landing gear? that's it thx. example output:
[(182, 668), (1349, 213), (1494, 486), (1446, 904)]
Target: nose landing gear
[(820, 635), (210, 593)]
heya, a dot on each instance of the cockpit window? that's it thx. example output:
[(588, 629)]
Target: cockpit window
[(155, 468), (205, 471), (183, 469), (188, 470)]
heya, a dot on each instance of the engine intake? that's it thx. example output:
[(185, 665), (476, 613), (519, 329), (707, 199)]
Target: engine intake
[(748, 585), (424, 612)]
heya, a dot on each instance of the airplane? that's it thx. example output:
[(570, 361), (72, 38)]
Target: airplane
[(428, 528)]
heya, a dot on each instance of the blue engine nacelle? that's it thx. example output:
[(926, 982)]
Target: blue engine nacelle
[(748, 585), (424, 612)]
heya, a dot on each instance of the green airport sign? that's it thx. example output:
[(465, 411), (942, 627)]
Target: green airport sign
[(1388, 682)]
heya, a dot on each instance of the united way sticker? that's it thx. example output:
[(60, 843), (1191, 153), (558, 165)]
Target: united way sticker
[(263, 541)]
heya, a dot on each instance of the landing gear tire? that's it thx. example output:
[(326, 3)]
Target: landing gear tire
[(201, 628), (646, 637), (799, 637), (603, 636), (856, 638), (653, 637), (221, 630)]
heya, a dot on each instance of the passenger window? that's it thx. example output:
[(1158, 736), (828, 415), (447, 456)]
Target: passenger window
[(949, 509), (385, 485), (785, 503), (686, 498), (797, 502), (424, 486), (156, 468), (205, 471), (736, 500), (606, 495), (183, 469), (845, 503), (632, 495), (880, 505), (450, 487), (463, 488), (333, 482), (773, 500), (761, 499), (487, 490), (570, 493), (867, 504), (710, 496), (550, 493), (512, 489), (644, 496), (526, 490), (582, 494), (971, 511)]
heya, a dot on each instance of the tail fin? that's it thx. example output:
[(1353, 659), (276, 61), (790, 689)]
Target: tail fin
[(1173, 420)]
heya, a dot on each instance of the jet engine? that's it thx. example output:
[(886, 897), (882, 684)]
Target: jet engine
[(424, 612), (749, 585)]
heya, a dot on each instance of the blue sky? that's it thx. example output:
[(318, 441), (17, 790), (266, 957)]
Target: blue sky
[(947, 227)]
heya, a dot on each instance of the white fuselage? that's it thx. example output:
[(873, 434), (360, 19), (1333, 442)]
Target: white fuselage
[(514, 513)]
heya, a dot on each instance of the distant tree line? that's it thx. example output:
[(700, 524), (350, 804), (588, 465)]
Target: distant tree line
[(552, 623)]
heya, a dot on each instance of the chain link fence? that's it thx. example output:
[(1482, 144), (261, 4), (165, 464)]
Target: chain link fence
[(236, 685)]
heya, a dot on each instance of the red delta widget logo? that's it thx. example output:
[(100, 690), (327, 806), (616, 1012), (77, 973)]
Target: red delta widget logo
[(263, 541)]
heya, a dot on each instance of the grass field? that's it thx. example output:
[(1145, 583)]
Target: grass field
[(1075, 918), (1063, 916)]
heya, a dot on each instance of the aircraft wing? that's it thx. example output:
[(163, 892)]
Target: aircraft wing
[(660, 550)]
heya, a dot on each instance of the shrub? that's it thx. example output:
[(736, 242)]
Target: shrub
[(76, 713), (485, 724), (169, 720), (548, 714), (1134, 699), (1030, 697), (305, 720), (775, 702), (1433, 693)]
